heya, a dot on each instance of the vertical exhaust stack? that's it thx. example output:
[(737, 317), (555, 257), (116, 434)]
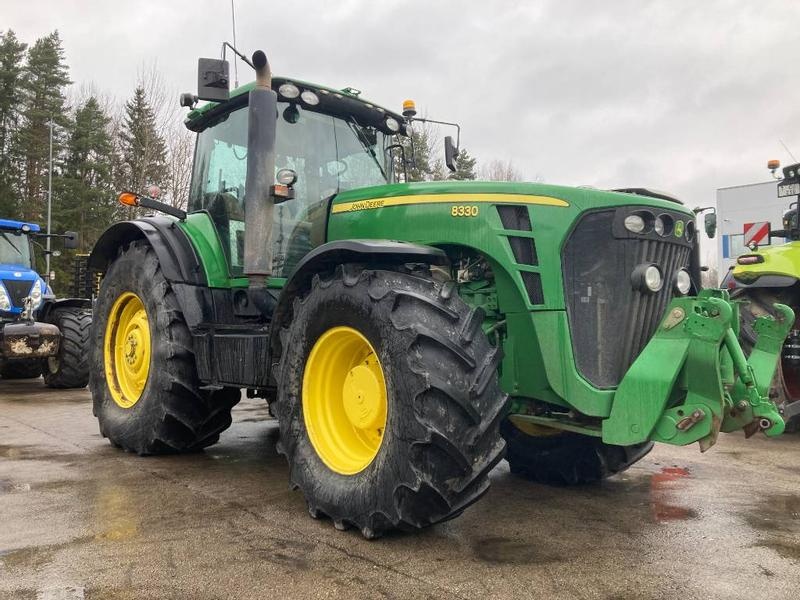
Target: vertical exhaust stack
[(258, 202)]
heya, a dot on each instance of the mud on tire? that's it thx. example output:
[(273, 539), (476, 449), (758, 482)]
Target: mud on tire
[(567, 458), (444, 401), (172, 414), (70, 368)]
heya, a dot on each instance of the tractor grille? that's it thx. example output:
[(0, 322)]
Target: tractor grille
[(17, 290), (611, 321)]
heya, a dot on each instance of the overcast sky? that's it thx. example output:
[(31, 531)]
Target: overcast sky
[(683, 96)]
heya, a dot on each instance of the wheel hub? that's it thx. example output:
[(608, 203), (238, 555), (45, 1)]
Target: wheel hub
[(345, 400), (127, 350), (364, 396)]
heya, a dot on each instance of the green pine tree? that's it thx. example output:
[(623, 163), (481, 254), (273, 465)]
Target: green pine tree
[(143, 151), (417, 149), (84, 198), (465, 166), (12, 55), (88, 202), (44, 79)]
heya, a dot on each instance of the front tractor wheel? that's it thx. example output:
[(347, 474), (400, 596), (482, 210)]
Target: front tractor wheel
[(388, 403), (555, 457), (143, 379), (70, 367)]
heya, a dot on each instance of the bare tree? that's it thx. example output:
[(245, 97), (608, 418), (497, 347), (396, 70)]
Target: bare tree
[(179, 141), (180, 148), (500, 170)]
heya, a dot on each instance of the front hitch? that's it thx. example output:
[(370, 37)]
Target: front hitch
[(692, 380)]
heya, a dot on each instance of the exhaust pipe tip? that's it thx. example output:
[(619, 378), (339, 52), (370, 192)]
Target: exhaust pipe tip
[(263, 73)]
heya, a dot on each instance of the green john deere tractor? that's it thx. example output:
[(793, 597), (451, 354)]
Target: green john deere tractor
[(405, 334), (768, 276)]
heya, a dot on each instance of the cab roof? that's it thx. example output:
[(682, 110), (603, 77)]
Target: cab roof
[(8, 224), (331, 101)]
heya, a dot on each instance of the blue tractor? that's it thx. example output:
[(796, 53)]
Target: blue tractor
[(39, 334)]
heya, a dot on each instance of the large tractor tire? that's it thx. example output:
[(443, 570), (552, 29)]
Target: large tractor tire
[(70, 367), (785, 386), (143, 378), (388, 401), (555, 457), (20, 369)]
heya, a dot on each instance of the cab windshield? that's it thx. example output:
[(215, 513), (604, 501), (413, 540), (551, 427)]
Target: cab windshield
[(329, 155), (14, 249)]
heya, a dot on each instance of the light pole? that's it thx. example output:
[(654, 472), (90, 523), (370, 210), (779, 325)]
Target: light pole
[(49, 203)]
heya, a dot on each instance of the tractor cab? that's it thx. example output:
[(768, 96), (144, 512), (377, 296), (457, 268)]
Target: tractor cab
[(327, 141), (18, 274), (15, 246)]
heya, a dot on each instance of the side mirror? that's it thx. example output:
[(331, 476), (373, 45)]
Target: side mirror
[(70, 240), (450, 153), (212, 79), (710, 223)]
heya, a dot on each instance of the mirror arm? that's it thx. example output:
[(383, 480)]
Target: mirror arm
[(237, 53), (456, 125)]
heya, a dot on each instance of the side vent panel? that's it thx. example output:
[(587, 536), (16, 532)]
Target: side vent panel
[(524, 250), (515, 217), (533, 285)]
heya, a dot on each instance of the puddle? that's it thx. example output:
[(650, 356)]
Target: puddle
[(27, 558), (506, 551), (777, 519), (35, 557), (663, 486), (786, 549), (13, 452), (34, 453), (776, 513), (7, 487), (116, 514)]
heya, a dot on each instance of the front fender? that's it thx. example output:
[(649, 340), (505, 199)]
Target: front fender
[(176, 255), (326, 256)]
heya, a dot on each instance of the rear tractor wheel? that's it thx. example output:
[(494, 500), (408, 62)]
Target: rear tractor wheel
[(555, 457), (143, 378), (388, 401)]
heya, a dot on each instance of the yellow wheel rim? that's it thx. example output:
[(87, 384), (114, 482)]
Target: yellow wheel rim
[(126, 350), (344, 400)]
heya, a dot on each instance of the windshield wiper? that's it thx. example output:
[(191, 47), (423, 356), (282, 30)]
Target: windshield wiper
[(8, 239), (355, 127)]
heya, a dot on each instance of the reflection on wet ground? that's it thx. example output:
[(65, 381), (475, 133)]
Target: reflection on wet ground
[(79, 519), (665, 490)]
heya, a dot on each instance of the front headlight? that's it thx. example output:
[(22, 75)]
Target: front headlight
[(683, 282), (5, 301), (36, 294)]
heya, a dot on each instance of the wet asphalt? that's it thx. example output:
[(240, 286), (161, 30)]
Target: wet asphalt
[(81, 519)]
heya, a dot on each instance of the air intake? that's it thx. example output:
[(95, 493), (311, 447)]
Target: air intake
[(515, 217)]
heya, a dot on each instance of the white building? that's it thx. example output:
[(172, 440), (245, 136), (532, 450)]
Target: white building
[(742, 204)]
